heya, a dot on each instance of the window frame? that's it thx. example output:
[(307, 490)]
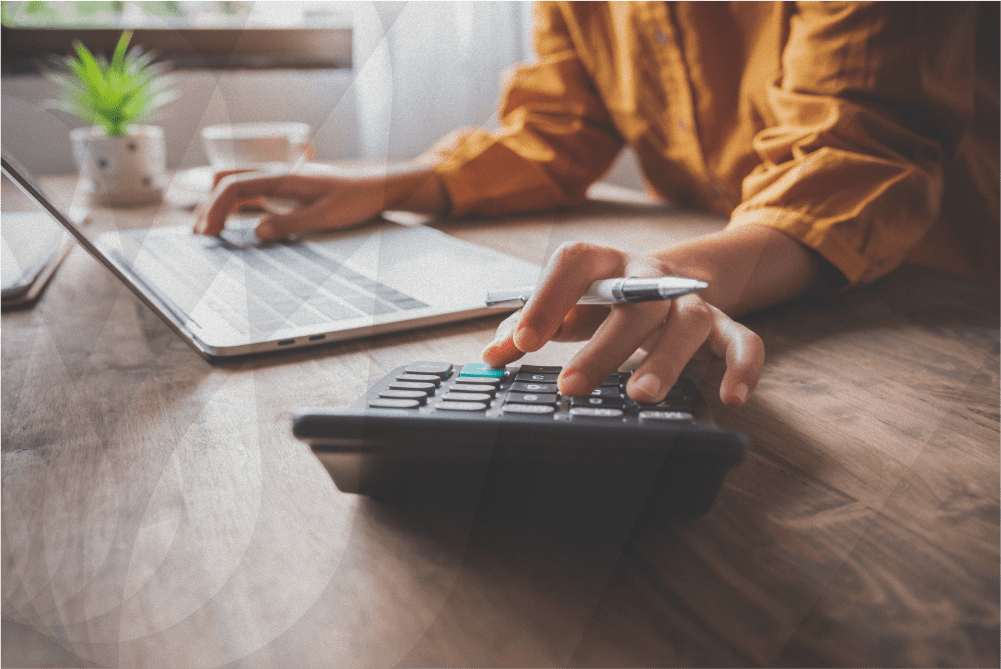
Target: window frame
[(27, 50)]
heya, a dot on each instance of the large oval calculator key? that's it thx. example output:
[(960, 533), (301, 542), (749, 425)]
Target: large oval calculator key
[(431, 424)]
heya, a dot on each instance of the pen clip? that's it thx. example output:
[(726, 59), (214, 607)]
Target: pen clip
[(512, 297)]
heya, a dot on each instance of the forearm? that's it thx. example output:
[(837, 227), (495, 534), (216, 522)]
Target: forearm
[(748, 267), (420, 191)]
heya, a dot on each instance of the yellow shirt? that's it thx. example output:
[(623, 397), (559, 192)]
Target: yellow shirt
[(868, 132)]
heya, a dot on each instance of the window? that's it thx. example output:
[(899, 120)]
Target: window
[(190, 34)]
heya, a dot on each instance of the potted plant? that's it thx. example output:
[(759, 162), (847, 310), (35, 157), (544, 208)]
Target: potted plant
[(121, 161)]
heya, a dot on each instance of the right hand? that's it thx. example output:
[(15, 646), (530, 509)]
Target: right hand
[(324, 202), (669, 332)]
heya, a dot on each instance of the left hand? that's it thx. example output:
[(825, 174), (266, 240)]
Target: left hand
[(677, 329)]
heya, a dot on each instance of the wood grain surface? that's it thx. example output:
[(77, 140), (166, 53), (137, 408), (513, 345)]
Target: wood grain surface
[(157, 512)]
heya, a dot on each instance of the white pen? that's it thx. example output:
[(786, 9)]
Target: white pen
[(610, 291)]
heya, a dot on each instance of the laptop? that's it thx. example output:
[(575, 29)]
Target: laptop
[(233, 295)]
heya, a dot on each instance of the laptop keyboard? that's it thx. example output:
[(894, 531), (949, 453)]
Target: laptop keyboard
[(285, 283)]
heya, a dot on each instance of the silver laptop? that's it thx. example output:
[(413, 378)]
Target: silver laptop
[(233, 295)]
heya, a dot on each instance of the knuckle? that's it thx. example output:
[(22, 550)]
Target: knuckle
[(694, 310), (647, 266), (574, 253)]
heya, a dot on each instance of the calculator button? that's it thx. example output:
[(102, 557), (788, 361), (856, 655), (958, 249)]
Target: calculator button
[(667, 405), (676, 393), (481, 369), (612, 380), (596, 412), (527, 387), (460, 406), (388, 403), (529, 408), (439, 369), (419, 378), (532, 398), (471, 388), (540, 369), (413, 385), (418, 395), (666, 415), (673, 405), (537, 378), (486, 381), (465, 397), (589, 401)]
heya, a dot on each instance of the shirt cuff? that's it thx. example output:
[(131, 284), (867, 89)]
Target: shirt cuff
[(811, 234)]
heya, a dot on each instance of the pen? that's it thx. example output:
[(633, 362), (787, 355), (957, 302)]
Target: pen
[(610, 291)]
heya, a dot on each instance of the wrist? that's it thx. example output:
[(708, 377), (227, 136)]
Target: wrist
[(420, 191), (748, 267)]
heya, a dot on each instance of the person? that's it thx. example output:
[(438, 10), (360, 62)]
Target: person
[(839, 139)]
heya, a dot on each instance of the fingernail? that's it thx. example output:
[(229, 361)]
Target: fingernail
[(502, 346), (526, 340), (741, 391), (648, 385), (572, 383)]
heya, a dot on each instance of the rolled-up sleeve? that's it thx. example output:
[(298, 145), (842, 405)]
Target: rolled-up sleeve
[(556, 137), (870, 101)]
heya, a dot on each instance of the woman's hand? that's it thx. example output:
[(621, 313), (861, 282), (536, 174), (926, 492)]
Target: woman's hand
[(325, 198), (676, 329)]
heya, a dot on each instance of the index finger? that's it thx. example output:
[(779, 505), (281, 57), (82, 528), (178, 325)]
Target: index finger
[(567, 276), (219, 176), (239, 187)]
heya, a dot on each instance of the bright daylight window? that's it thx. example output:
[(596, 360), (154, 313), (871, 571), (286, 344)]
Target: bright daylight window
[(191, 34)]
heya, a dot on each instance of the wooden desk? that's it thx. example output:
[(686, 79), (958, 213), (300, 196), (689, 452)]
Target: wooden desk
[(158, 512)]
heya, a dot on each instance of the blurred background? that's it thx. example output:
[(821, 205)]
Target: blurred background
[(375, 80)]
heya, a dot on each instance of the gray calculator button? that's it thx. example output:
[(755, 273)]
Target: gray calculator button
[(590, 401), (465, 397), (470, 388), (595, 412), (532, 387), (488, 381), (420, 378), (540, 369), (666, 415), (460, 406), (413, 385), (537, 377), (388, 403), (418, 395), (533, 398), (529, 408), (439, 369)]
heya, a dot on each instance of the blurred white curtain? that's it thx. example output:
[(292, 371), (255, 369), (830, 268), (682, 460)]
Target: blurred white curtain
[(423, 69)]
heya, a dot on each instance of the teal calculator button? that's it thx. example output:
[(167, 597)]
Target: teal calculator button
[(481, 369)]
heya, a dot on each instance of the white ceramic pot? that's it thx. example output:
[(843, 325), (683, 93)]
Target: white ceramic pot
[(129, 170)]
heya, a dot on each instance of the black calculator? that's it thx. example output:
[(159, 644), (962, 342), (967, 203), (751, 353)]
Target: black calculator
[(430, 426)]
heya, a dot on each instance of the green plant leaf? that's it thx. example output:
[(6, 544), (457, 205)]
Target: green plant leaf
[(93, 74), (113, 95), (118, 60)]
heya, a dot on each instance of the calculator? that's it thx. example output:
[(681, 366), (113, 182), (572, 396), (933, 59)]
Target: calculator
[(431, 426)]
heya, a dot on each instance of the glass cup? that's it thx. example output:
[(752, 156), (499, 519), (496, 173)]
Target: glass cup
[(261, 145)]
